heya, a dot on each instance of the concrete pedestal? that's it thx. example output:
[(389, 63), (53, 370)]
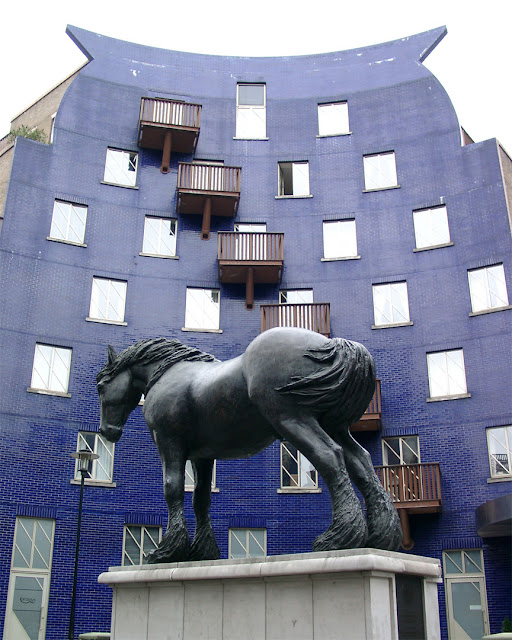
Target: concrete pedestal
[(337, 594)]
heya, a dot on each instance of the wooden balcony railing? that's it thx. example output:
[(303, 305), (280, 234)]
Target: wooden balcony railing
[(166, 124), (371, 419), (313, 316), (209, 190), (414, 488), (250, 258)]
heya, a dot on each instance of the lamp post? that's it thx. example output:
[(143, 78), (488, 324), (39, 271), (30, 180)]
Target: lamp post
[(84, 459)]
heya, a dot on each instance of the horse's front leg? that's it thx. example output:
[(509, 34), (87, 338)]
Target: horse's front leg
[(384, 530), (204, 545), (175, 544)]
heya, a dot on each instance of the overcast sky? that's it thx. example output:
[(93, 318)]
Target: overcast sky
[(471, 62)]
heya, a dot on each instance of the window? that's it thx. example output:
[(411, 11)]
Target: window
[(29, 582), (50, 371), (202, 309), (247, 543), (340, 239), (138, 542), (108, 299), (499, 445), (68, 222), (52, 126), (297, 472), (121, 168), (466, 599), (446, 374), (159, 237), (253, 247), (333, 119), (296, 296), (390, 304), (401, 450), (101, 468), (294, 179), (190, 480), (488, 288), (431, 227), (251, 120), (380, 171)]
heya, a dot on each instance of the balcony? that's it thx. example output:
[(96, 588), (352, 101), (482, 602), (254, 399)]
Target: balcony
[(312, 316), (250, 258), (169, 125), (208, 190), (414, 489), (371, 418)]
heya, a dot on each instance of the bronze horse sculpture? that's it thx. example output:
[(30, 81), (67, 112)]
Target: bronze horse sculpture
[(290, 384)]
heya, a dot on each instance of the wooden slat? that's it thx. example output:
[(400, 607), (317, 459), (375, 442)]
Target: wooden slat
[(412, 484)]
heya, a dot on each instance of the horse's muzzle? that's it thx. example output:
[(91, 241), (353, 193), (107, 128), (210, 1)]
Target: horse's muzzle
[(111, 433)]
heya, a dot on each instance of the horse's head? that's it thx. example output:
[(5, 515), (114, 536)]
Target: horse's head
[(119, 395)]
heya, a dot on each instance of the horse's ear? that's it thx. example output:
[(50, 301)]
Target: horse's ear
[(112, 355)]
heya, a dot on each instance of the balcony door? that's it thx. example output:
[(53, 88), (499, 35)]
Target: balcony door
[(252, 247), (466, 600), (403, 479), (208, 176)]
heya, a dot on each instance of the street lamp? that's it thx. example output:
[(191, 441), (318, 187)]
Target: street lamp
[(84, 458)]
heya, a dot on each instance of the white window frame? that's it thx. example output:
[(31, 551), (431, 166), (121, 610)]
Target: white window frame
[(140, 544), (305, 470), (68, 230), (162, 227), (333, 119), (395, 298), (339, 240), (379, 173), (117, 168), (431, 228), (404, 449), (47, 359), (299, 179), (113, 287), (210, 322), (42, 575), (255, 112), (447, 364), (492, 286), (497, 467), (99, 444), (190, 481), (242, 532)]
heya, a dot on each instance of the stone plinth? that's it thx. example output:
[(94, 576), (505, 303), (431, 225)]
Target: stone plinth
[(350, 594)]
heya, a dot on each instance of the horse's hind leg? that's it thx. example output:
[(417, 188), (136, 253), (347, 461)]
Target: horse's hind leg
[(204, 546), (348, 527), (384, 530), (175, 544)]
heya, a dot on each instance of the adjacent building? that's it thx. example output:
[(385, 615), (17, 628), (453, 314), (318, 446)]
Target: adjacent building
[(208, 199)]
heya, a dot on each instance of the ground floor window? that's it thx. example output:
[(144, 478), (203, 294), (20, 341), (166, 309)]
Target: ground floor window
[(466, 599), (247, 543), (138, 542)]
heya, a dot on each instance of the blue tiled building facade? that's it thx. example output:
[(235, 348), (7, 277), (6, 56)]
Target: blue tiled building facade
[(390, 224)]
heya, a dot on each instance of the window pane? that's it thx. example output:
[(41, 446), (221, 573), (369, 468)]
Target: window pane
[(446, 373), (51, 368), (340, 239), (202, 309), (453, 562), (108, 300), (159, 236), (488, 288), (380, 171), (333, 118), (499, 444), (121, 167), (237, 542), (296, 296), (390, 303), (256, 543), (251, 94), (28, 603), (431, 227), (300, 178)]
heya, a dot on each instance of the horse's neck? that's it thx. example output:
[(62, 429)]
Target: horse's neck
[(143, 372)]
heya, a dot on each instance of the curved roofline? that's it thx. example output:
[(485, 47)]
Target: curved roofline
[(95, 45)]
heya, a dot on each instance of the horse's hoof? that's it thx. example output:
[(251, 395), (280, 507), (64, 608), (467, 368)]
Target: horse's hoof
[(338, 538)]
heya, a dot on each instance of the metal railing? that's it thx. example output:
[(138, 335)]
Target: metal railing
[(208, 177), (170, 112), (313, 316), (412, 483), (251, 247)]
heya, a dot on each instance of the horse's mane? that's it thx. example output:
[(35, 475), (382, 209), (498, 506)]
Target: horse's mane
[(170, 352)]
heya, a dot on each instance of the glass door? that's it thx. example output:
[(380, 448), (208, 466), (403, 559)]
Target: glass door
[(27, 606)]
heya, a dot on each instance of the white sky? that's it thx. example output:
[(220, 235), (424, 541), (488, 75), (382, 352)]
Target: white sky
[(36, 53)]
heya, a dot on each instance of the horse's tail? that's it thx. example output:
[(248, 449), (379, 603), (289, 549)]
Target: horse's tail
[(343, 385)]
